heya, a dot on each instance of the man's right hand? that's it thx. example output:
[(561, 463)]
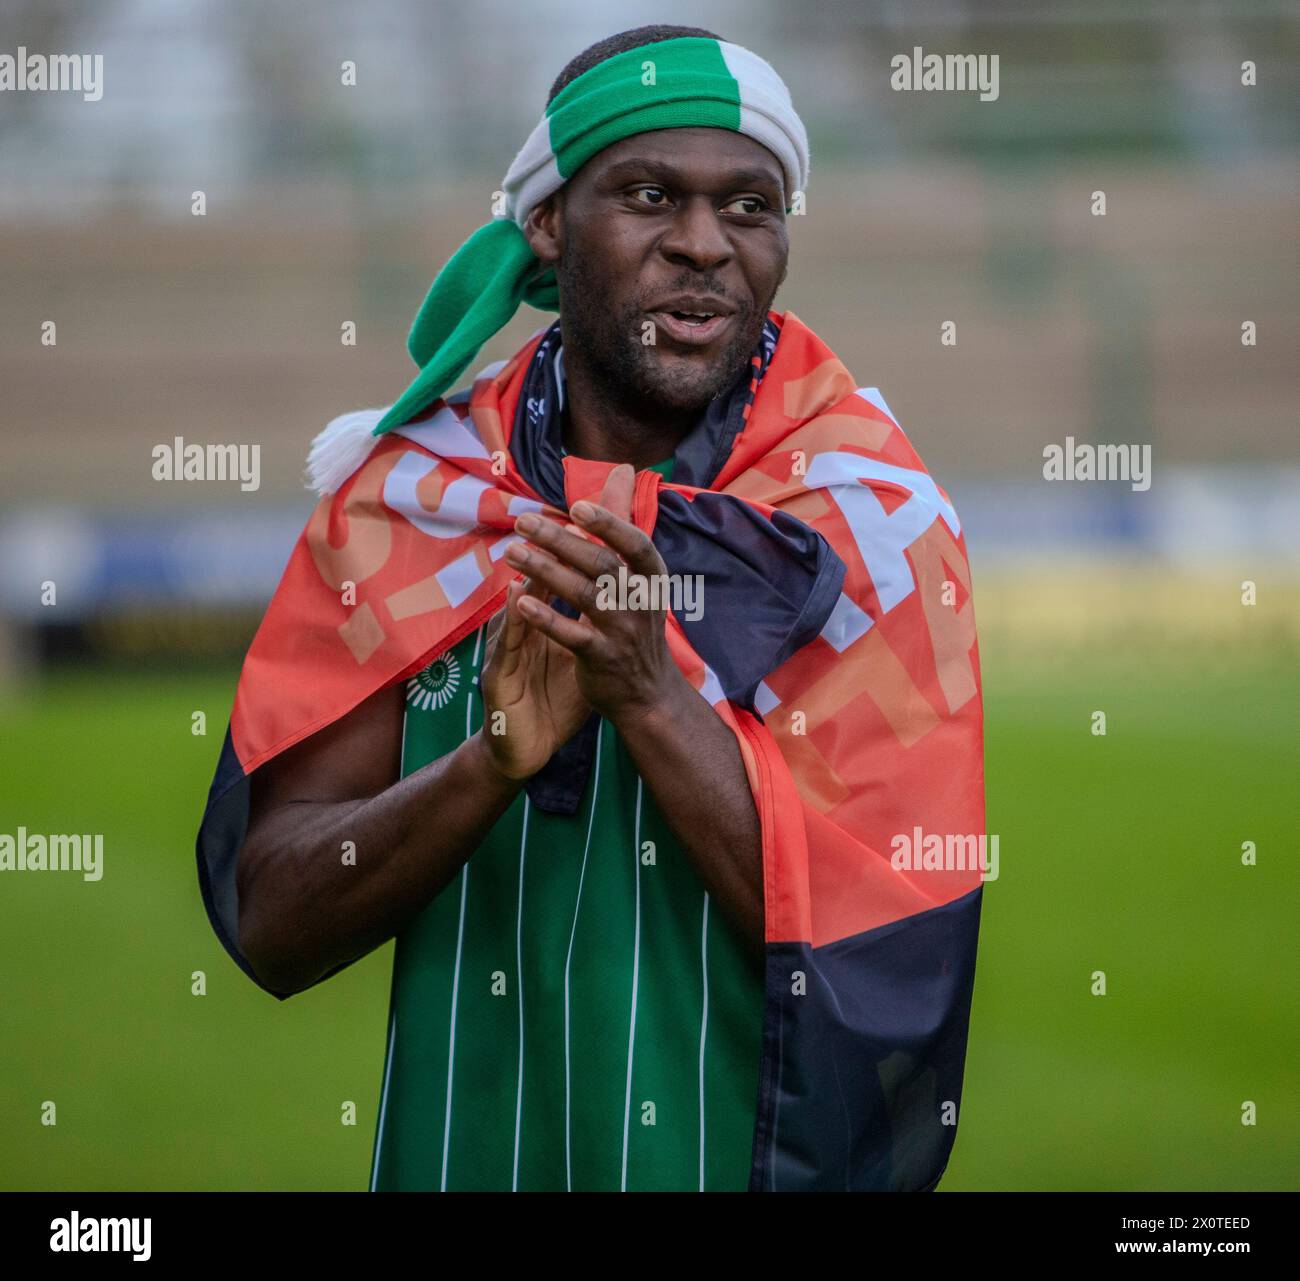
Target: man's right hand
[(531, 699)]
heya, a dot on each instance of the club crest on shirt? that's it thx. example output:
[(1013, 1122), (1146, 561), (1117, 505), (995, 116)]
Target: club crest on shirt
[(436, 686)]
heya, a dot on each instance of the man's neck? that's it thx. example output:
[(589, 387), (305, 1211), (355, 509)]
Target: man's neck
[(616, 431)]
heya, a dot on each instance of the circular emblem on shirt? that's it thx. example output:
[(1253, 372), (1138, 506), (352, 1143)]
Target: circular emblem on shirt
[(436, 685)]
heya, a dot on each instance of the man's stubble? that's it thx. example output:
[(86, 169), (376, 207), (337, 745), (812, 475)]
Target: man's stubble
[(626, 367)]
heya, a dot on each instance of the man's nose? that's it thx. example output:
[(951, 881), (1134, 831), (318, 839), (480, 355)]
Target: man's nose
[(697, 236)]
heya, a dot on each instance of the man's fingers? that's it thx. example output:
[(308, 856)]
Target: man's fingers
[(508, 630), (559, 579), (533, 588), (590, 559), (625, 538), (619, 488), (572, 633), (509, 633)]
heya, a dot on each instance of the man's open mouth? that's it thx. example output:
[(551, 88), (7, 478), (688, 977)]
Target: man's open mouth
[(691, 328)]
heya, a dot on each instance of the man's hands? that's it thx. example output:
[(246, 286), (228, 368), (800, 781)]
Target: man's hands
[(621, 661), (533, 671), (530, 679)]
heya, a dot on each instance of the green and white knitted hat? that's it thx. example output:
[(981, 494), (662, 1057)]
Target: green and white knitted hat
[(669, 84)]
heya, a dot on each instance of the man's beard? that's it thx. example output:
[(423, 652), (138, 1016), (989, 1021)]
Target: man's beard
[(628, 369)]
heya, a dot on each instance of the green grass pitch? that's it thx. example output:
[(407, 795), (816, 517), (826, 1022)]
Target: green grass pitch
[(1119, 853)]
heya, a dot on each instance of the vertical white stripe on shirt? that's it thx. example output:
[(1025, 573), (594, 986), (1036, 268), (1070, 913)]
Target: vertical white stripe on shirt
[(383, 1094), (392, 1012), (451, 1033), (704, 1023), (636, 974), (519, 988), (460, 929), (568, 962)]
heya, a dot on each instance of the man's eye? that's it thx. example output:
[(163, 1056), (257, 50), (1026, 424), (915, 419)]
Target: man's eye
[(756, 204), (650, 195)]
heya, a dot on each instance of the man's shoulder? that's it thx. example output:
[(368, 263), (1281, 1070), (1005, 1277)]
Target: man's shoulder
[(859, 447)]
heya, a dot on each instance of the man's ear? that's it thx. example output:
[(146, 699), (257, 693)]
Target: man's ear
[(544, 228)]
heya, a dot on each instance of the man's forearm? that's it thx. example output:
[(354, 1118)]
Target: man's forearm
[(308, 905), (691, 763)]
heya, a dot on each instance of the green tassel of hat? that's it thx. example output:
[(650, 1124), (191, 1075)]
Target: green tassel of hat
[(474, 296)]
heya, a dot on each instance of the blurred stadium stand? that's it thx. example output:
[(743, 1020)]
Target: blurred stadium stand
[(327, 204)]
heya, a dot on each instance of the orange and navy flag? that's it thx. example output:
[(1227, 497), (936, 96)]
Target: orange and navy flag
[(837, 642)]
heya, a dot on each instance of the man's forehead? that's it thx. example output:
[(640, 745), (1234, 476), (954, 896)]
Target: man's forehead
[(717, 150)]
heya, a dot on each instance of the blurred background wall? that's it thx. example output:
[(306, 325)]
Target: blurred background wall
[(328, 203)]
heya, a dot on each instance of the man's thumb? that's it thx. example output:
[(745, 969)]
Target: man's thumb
[(616, 495)]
